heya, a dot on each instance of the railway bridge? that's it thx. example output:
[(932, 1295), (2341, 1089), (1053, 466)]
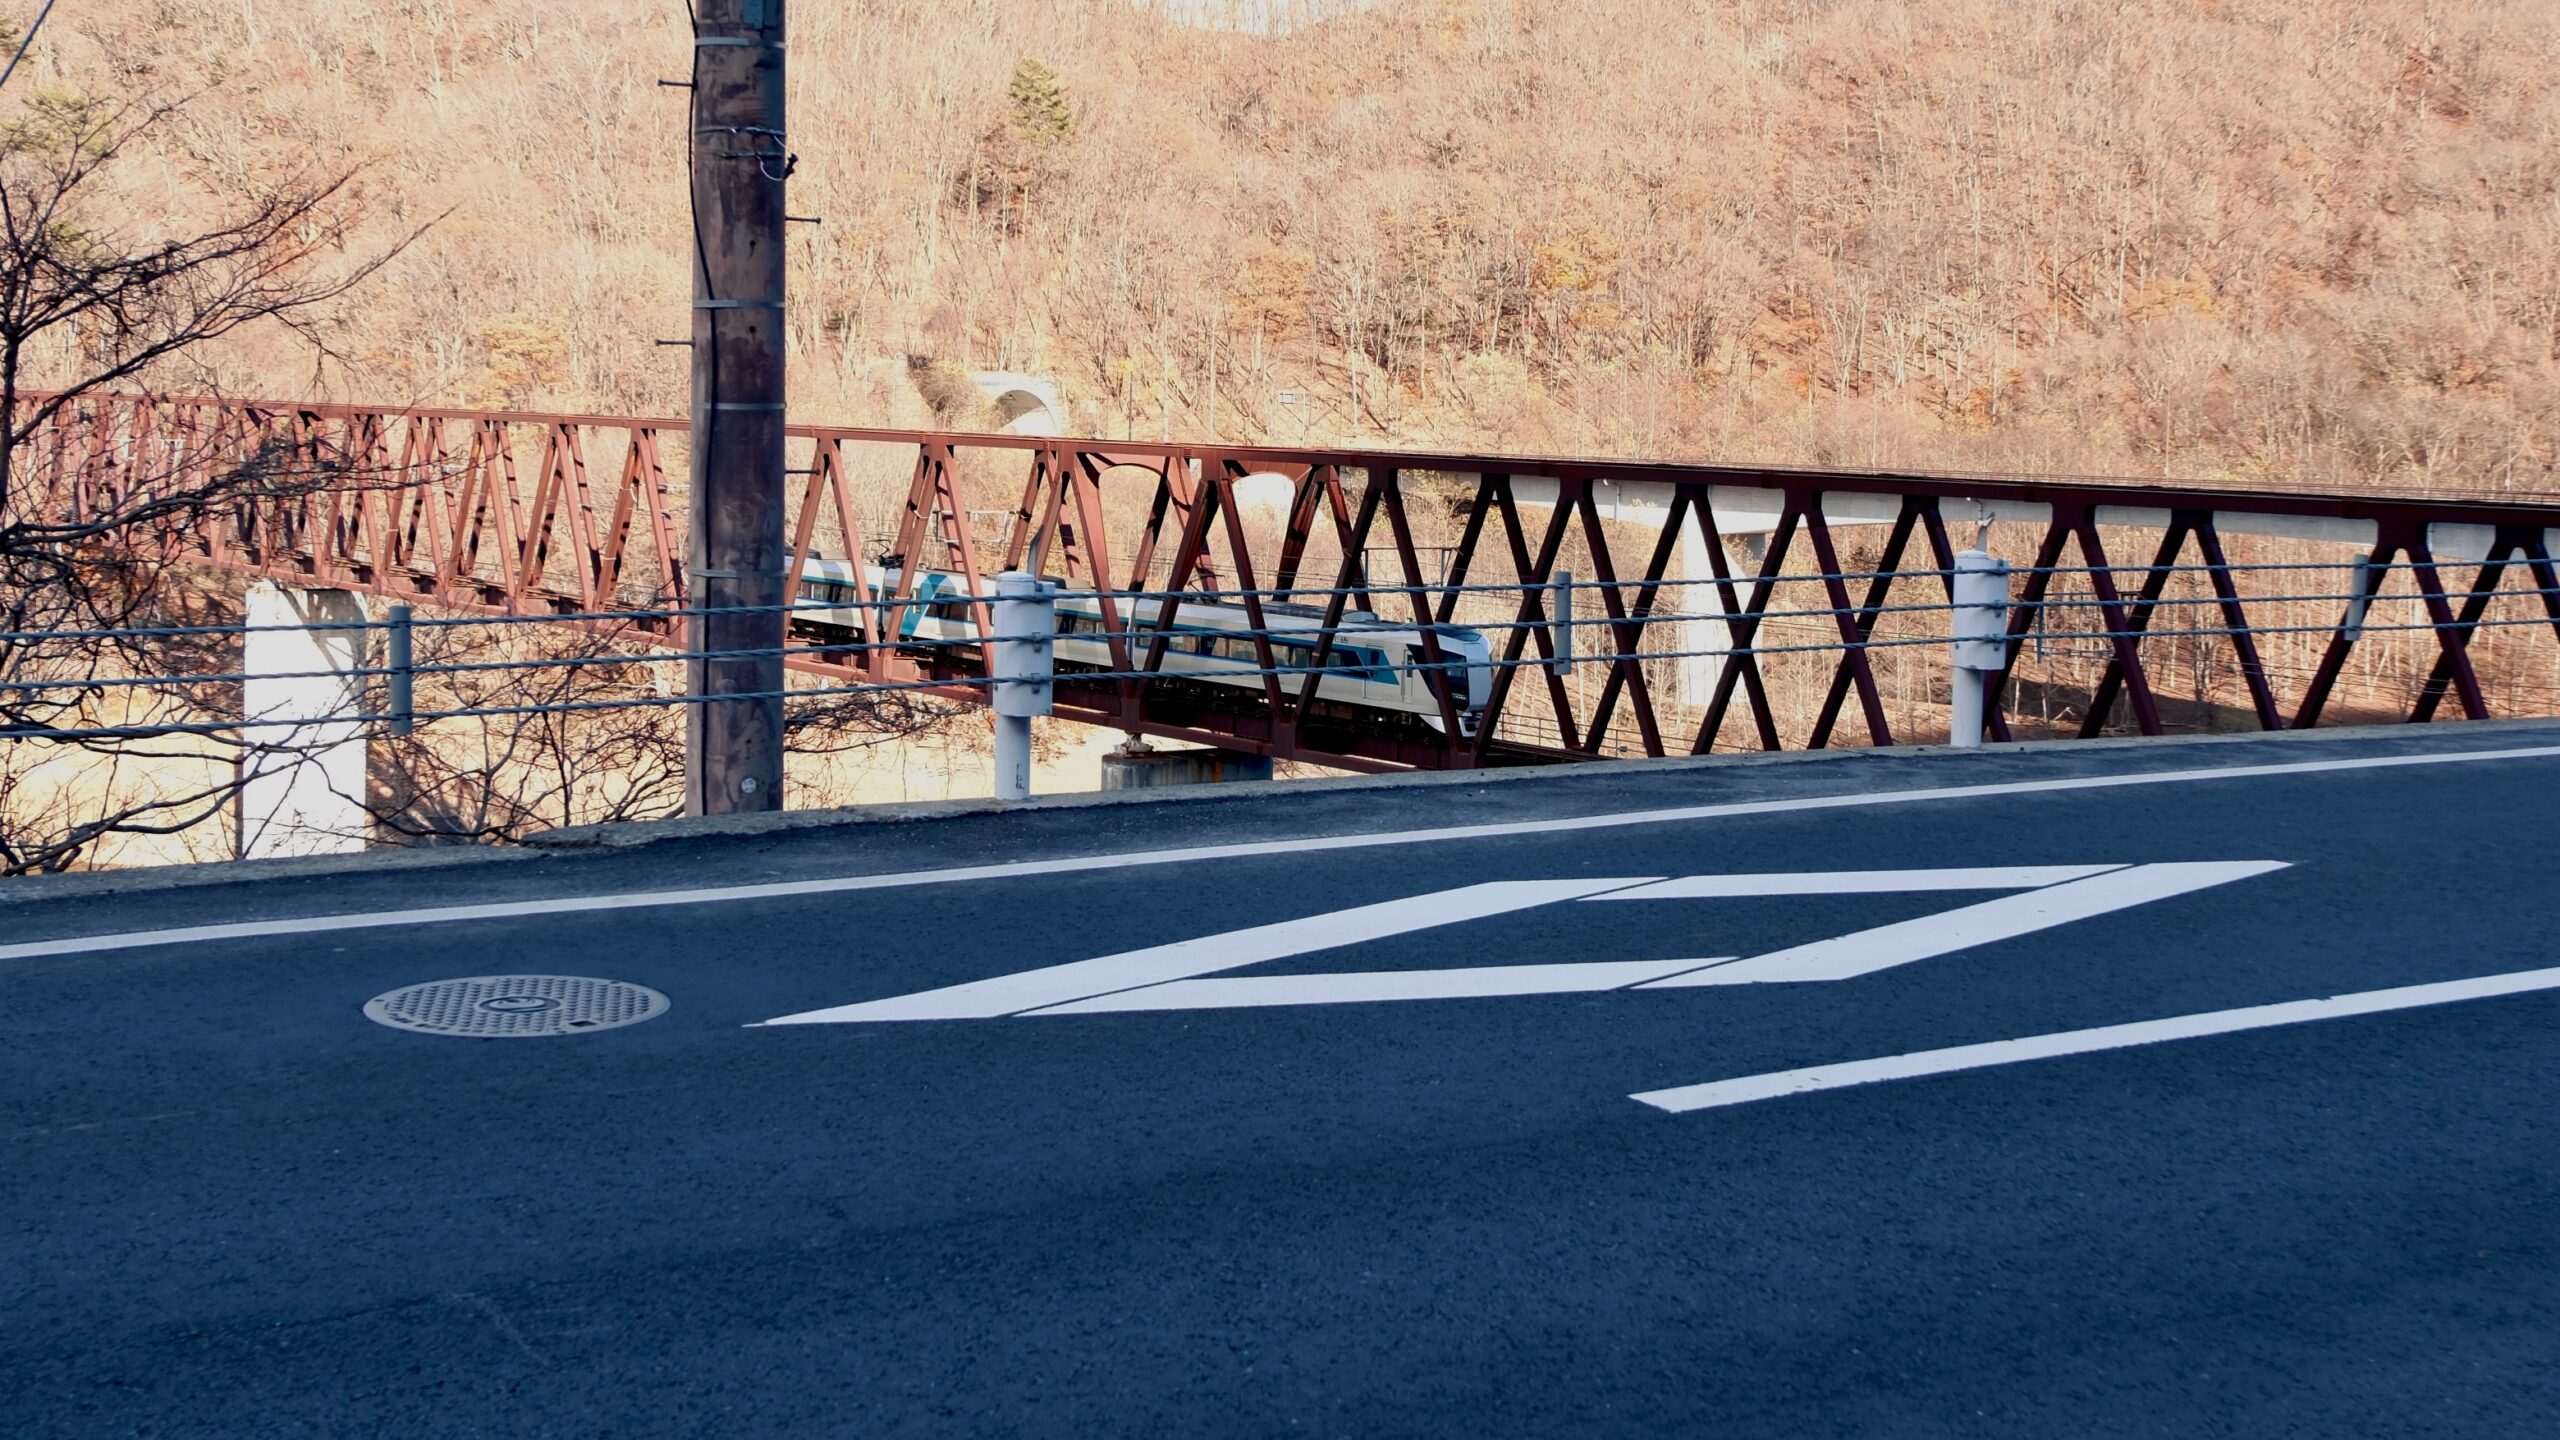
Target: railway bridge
[(1720, 607)]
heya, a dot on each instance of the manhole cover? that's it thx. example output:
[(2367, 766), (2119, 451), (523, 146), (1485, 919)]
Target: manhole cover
[(511, 1005)]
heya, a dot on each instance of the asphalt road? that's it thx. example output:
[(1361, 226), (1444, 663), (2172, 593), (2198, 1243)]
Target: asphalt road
[(233, 1205)]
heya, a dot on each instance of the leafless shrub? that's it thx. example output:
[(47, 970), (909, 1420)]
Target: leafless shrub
[(97, 298)]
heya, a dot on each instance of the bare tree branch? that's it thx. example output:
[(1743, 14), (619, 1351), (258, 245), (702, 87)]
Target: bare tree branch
[(93, 300)]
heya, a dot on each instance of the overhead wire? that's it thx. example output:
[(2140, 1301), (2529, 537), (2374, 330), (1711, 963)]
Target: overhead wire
[(24, 41)]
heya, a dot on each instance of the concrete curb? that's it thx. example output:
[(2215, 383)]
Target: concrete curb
[(633, 834), (27, 889), (589, 840)]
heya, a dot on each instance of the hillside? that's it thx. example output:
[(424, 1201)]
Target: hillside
[(2249, 238)]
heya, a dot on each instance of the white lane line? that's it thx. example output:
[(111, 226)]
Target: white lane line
[(1846, 957), (1856, 882), (571, 904), (1361, 986), (1745, 1089), (1183, 959)]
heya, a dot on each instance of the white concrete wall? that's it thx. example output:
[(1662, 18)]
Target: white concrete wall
[(303, 767)]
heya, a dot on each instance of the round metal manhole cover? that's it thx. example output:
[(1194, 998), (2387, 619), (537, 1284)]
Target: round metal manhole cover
[(501, 1006)]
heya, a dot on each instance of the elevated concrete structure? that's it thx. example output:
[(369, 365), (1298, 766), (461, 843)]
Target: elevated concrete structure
[(1138, 766), (303, 762), (1029, 404)]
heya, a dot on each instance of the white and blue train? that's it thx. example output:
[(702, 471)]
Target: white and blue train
[(1373, 667)]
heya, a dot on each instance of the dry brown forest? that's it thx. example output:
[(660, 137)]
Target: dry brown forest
[(2311, 241), (2293, 239), (2223, 239)]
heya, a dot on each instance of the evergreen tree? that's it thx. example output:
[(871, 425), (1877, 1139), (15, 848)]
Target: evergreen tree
[(1037, 100)]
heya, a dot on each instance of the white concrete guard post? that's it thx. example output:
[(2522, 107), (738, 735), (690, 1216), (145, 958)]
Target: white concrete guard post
[(302, 763), (1979, 631), (1020, 661)]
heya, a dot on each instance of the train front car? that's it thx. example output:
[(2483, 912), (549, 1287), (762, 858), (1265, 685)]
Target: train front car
[(1466, 667)]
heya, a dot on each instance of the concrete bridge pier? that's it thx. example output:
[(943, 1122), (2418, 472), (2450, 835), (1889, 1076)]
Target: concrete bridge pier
[(1703, 630), (1137, 765), (302, 764)]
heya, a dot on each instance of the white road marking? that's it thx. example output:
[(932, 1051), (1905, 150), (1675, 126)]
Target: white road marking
[(88, 1125), (1183, 959), (1745, 1089), (1167, 977), (1867, 951), (1856, 882), (1349, 987), (789, 889)]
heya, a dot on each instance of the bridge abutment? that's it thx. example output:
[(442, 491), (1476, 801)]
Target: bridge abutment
[(302, 780)]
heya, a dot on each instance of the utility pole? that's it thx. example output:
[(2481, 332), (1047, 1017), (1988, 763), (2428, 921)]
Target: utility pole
[(736, 554)]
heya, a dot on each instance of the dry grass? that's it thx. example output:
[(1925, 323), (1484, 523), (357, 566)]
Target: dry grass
[(2291, 238)]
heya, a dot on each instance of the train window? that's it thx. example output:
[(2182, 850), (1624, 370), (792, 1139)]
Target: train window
[(1351, 661)]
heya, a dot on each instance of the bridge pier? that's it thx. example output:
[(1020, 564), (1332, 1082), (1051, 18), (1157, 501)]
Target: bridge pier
[(1139, 766), (1702, 628), (302, 763)]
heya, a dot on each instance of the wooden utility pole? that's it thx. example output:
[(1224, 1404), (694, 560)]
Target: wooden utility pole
[(736, 551)]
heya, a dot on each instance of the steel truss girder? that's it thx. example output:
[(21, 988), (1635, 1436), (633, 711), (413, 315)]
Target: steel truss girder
[(459, 509)]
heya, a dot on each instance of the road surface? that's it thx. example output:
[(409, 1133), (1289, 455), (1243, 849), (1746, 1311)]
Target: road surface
[(1434, 1109)]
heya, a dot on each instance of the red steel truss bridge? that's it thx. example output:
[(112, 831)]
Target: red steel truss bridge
[(1721, 606)]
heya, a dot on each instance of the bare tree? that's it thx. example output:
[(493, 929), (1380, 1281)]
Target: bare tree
[(562, 727), (545, 727), (95, 300)]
